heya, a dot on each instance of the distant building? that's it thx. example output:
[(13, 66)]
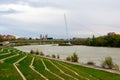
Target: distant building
[(43, 37), (8, 37), (46, 37)]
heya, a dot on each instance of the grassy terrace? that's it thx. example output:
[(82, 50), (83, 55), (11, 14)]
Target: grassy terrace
[(41, 69), (27, 71), (88, 72), (56, 70), (7, 70), (38, 68)]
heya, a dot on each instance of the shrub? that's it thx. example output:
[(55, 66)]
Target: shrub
[(90, 63), (116, 67), (53, 56), (47, 55), (74, 57), (37, 52), (58, 56), (108, 63), (41, 53), (32, 52), (68, 58)]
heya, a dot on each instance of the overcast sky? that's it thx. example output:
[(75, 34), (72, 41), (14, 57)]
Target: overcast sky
[(30, 18)]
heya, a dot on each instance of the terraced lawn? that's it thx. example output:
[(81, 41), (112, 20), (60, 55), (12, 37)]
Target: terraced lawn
[(94, 74), (55, 69), (7, 70), (73, 71), (39, 66), (27, 71), (73, 75), (31, 67), (5, 56)]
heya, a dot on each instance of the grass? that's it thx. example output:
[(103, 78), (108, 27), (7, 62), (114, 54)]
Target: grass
[(27, 71), (98, 74), (7, 70), (69, 72), (53, 69), (4, 56), (41, 69), (50, 69)]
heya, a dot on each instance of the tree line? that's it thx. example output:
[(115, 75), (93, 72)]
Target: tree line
[(109, 40)]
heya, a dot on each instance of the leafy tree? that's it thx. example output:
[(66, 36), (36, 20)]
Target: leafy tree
[(109, 40)]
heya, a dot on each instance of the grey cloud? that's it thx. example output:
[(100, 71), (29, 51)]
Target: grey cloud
[(9, 11), (85, 17)]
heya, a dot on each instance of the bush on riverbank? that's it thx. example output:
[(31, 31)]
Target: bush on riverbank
[(108, 63), (53, 56), (90, 63), (58, 56), (37, 52), (47, 55), (32, 52), (68, 58), (73, 58), (41, 53)]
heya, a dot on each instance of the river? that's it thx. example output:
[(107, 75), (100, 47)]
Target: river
[(85, 53)]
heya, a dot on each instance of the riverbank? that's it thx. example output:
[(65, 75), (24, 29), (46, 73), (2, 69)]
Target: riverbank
[(85, 53), (86, 65), (49, 68)]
